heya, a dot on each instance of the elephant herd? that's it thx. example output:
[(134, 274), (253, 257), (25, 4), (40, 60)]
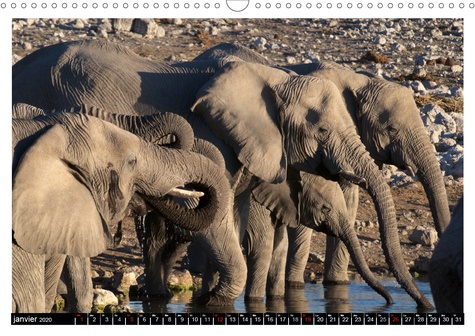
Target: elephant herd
[(229, 152)]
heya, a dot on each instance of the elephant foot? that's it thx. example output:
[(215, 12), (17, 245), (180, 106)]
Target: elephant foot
[(213, 299), (294, 284), (275, 297), (335, 282), (424, 306)]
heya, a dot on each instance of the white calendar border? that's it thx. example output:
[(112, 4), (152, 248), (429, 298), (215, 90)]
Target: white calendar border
[(229, 9)]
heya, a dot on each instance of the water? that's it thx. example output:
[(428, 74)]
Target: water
[(357, 297)]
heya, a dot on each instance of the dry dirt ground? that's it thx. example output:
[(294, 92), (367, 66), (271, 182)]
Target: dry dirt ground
[(410, 200)]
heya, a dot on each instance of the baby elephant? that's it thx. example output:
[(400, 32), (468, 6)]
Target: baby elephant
[(322, 207)]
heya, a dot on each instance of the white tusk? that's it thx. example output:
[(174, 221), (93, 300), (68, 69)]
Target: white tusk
[(185, 193), (353, 178), (410, 171)]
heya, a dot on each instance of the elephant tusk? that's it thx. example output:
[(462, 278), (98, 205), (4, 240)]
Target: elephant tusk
[(353, 178), (410, 171), (185, 193)]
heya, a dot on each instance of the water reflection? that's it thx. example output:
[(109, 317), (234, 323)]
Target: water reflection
[(357, 297), (337, 299)]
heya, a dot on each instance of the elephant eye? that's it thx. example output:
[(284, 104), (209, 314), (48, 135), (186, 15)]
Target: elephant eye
[(131, 162), (323, 132), (392, 130), (326, 209)]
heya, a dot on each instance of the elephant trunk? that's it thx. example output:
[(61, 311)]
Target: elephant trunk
[(424, 163), (349, 238), (168, 129), (358, 157), (194, 171)]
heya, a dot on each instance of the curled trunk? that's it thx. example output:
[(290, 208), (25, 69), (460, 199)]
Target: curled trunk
[(168, 129), (198, 173)]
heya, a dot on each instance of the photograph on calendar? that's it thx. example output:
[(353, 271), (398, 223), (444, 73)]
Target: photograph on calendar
[(237, 171)]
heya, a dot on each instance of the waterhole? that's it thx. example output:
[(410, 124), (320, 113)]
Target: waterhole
[(357, 297)]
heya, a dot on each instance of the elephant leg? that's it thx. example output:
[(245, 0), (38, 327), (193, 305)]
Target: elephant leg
[(53, 267), (221, 245), (336, 254), (155, 236), (242, 203), (297, 257), (28, 281), (276, 277), (258, 244), (78, 279), (196, 261)]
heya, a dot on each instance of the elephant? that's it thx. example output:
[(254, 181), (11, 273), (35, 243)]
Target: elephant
[(322, 208), (80, 168), (285, 120), (164, 243), (152, 128), (389, 125), (446, 266)]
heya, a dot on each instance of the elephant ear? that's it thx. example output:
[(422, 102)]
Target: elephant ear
[(53, 208), (240, 107), (280, 199)]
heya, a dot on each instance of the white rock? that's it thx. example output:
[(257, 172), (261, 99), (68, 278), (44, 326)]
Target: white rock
[(423, 236), (456, 68), (103, 297)]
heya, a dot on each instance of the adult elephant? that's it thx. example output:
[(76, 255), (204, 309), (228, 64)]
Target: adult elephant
[(322, 208), (164, 243), (77, 177), (446, 266), (390, 126), (164, 129), (284, 121)]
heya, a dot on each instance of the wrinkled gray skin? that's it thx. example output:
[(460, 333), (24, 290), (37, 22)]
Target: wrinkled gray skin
[(284, 121), (389, 124), (155, 129), (446, 266), (322, 208), (72, 155), (164, 243)]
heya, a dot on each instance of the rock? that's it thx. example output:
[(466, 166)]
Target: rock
[(180, 279), (456, 92), (27, 46), (78, 24), (122, 24), (450, 62), (260, 43), (145, 27), (397, 47), (103, 297), (316, 257), (380, 40), (445, 144), (123, 280), (444, 119), (290, 60), (417, 86), (458, 119), (456, 68), (15, 58), (423, 236)]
